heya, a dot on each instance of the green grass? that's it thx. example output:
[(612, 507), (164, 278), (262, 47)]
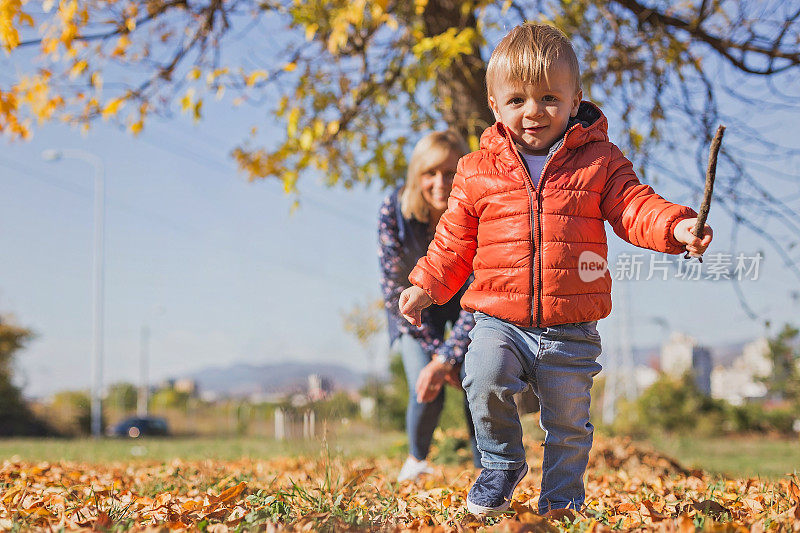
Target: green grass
[(105, 450), (751, 456), (735, 456), (741, 456)]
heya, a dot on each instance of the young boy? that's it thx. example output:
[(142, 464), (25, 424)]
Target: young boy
[(525, 212)]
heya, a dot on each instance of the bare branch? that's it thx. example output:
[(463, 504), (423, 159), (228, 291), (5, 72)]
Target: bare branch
[(654, 17)]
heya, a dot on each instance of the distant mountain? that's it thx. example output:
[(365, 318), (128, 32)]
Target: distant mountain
[(247, 379), (241, 380)]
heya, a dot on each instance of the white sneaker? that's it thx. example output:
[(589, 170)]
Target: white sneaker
[(413, 469)]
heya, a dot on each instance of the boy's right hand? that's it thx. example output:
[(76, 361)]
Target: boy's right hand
[(412, 301)]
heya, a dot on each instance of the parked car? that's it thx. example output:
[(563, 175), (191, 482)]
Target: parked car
[(137, 426)]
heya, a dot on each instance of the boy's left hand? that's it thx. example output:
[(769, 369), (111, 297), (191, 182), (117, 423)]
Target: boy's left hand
[(684, 232), (412, 301)]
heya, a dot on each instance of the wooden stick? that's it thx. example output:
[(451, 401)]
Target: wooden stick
[(711, 174)]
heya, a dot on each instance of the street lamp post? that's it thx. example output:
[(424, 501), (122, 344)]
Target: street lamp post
[(144, 356), (144, 387), (98, 261)]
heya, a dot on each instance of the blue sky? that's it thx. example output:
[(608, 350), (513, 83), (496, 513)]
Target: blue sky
[(239, 278), (223, 273)]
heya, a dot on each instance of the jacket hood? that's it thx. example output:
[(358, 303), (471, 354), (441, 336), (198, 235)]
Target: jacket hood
[(589, 125)]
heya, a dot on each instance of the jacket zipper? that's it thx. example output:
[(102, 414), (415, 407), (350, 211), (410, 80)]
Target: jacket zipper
[(531, 190), (536, 281), (538, 262)]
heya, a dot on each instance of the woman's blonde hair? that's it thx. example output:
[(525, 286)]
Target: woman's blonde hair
[(434, 146), (527, 53)]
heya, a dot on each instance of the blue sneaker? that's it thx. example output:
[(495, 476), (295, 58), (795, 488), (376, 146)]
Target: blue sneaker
[(492, 491)]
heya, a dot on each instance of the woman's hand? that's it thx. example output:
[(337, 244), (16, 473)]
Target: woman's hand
[(453, 377), (431, 379)]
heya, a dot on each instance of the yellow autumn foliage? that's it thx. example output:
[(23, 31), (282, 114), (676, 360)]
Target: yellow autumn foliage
[(11, 14)]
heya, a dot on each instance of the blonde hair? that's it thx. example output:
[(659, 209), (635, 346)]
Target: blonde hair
[(528, 52), (433, 146)]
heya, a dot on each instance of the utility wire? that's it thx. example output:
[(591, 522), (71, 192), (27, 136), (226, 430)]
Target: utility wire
[(52, 181), (225, 167)]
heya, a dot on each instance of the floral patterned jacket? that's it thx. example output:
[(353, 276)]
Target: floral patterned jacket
[(401, 242)]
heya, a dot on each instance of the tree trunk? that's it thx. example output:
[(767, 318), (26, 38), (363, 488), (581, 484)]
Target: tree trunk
[(461, 88)]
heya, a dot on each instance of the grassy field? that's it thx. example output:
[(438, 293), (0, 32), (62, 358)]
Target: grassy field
[(751, 456), (754, 456), (358, 442)]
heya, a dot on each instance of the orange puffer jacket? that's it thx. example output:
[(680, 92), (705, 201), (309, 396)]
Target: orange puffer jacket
[(524, 242)]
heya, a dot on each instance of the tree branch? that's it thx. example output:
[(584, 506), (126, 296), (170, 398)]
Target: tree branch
[(651, 16), (122, 30)]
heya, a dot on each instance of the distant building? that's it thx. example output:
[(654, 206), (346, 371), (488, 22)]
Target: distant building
[(681, 354), (676, 355), (319, 387), (755, 358), (645, 376), (701, 369), (740, 381), (186, 385)]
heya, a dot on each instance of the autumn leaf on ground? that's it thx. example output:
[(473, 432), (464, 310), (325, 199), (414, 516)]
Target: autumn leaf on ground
[(627, 488)]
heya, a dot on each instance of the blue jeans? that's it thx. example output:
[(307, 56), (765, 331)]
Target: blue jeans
[(422, 418), (559, 362)]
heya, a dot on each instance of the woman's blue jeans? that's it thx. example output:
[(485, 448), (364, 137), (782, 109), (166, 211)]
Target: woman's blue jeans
[(559, 362), (422, 418)]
